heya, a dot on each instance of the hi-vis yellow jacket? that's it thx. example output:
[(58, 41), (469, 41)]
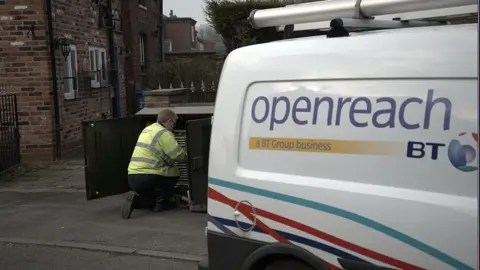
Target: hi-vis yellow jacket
[(155, 152)]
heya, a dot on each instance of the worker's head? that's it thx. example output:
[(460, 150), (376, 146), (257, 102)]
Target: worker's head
[(167, 118)]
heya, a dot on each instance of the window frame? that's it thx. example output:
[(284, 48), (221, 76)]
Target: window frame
[(70, 84), (99, 66), (142, 40), (142, 4), (193, 33)]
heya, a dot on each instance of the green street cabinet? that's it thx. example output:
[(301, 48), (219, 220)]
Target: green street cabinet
[(108, 146)]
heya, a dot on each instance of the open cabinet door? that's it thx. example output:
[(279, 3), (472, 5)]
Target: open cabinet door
[(198, 148), (108, 146)]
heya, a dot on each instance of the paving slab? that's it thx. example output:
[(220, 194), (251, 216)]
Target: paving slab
[(53, 177), (67, 173)]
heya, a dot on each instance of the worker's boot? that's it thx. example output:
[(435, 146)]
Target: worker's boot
[(129, 204), (170, 204), (158, 205)]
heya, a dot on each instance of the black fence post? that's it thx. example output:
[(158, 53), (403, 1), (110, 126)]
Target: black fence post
[(9, 132)]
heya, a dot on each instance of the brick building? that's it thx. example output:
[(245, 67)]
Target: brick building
[(142, 39), (204, 45), (53, 102), (180, 35)]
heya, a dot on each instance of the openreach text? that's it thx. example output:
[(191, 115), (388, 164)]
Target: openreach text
[(304, 110)]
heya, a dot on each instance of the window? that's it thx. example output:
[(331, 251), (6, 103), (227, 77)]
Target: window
[(167, 45), (70, 74), (143, 62), (98, 66), (193, 33)]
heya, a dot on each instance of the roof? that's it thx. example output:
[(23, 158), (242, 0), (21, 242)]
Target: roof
[(179, 19)]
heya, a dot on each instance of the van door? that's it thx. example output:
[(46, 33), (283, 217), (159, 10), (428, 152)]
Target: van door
[(108, 146), (198, 148)]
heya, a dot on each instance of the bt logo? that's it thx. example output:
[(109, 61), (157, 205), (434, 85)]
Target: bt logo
[(462, 151)]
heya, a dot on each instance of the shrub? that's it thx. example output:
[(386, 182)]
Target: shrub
[(229, 18)]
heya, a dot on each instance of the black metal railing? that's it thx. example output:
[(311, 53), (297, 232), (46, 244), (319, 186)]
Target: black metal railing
[(85, 82), (9, 133)]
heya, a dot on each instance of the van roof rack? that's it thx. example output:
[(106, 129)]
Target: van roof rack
[(343, 16)]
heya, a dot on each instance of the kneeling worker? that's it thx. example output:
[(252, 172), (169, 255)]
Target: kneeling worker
[(151, 172)]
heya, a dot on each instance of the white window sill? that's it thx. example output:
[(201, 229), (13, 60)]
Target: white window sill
[(102, 84), (69, 96), (143, 7)]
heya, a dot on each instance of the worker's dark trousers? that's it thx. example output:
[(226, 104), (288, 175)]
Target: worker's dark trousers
[(151, 187)]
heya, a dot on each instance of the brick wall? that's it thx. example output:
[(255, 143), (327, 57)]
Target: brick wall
[(165, 98), (208, 46), (139, 20), (24, 67), (179, 31), (80, 25)]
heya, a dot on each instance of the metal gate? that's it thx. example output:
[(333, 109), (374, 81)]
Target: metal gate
[(9, 134), (108, 146), (198, 141)]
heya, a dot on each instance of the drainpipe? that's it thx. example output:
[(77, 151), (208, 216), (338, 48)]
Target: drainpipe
[(53, 70), (160, 30), (113, 63)]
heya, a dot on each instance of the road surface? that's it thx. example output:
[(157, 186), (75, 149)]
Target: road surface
[(24, 257)]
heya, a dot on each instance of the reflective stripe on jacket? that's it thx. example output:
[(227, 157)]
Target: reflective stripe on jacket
[(155, 152)]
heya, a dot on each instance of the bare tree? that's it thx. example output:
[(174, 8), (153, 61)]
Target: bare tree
[(208, 33)]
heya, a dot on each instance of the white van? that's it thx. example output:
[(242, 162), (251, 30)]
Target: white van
[(356, 152)]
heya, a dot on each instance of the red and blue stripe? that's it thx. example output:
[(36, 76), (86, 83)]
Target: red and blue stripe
[(282, 236), (225, 223)]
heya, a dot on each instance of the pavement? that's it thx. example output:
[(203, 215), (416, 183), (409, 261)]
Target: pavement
[(55, 218), (25, 257), (67, 175), (44, 209)]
